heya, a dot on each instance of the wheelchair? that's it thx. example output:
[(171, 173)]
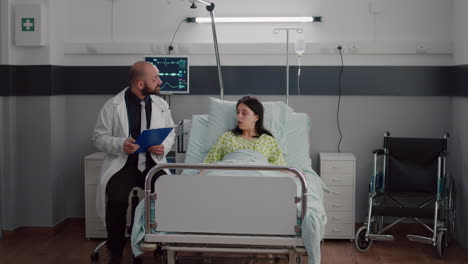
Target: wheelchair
[(406, 170)]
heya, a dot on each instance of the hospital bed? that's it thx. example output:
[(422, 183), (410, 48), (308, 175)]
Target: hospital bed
[(238, 206)]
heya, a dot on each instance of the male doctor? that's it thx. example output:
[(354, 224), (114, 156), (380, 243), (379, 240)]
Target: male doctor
[(119, 123)]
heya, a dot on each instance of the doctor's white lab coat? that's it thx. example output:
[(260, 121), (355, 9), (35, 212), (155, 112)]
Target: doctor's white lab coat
[(112, 129)]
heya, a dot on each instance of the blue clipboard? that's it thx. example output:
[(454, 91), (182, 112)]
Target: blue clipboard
[(152, 137)]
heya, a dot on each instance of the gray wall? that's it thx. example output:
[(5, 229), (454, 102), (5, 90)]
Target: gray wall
[(7, 162), (459, 121), (2, 158), (459, 165), (33, 157), (82, 112), (59, 138), (2, 123)]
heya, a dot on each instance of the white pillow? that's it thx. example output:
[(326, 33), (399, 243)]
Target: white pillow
[(297, 131), (195, 142), (222, 118), (194, 153)]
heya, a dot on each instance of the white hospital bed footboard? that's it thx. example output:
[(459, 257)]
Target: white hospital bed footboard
[(235, 214)]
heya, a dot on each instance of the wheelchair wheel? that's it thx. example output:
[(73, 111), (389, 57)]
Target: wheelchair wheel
[(441, 243), (451, 217), (362, 245)]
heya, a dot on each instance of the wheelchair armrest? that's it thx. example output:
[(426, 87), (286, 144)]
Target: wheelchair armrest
[(379, 151)]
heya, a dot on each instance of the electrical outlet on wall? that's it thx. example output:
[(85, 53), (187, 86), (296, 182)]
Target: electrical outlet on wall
[(91, 49), (353, 48), (421, 49)]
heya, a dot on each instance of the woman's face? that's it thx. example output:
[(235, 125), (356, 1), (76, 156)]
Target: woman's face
[(246, 118)]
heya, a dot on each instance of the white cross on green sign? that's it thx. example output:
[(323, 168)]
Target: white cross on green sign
[(27, 24)]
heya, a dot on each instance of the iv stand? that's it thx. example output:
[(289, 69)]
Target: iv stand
[(276, 31), (210, 7)]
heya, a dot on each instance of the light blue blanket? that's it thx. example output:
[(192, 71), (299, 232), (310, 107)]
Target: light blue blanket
[(313, 225)]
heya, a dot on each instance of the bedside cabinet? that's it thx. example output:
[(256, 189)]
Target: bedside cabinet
[(338, 172), (94, 226)]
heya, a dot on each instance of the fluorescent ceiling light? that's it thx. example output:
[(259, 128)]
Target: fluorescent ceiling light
[(255, 19)]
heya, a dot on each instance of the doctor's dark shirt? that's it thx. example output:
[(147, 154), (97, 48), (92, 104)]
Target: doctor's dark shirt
[(134, 124)]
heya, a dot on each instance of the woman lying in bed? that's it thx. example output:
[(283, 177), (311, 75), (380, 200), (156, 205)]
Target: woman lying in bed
[(249, 134)]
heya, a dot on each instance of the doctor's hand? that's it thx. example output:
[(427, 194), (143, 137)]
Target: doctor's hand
[(129, 147), (157, 150)]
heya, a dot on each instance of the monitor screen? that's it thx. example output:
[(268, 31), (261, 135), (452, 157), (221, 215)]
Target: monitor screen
[(174, 73)]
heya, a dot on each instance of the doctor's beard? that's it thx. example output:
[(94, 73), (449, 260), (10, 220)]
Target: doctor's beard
[(148, 91)]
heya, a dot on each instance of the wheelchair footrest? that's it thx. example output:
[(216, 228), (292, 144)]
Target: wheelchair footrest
[(421, 239), (381, 237), (403, 212)]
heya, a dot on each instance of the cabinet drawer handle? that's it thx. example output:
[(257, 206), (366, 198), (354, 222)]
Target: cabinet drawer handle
[(337, 192), (337, 180), (336, 218), (337, 205), (336, 230), (337, 167)]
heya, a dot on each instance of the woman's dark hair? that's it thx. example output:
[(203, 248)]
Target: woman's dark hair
[(254, 104)]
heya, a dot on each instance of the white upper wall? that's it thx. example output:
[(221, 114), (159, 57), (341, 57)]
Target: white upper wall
[(5, 32), (374, 32), (344, 20), (389, 31), (460, 34)]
